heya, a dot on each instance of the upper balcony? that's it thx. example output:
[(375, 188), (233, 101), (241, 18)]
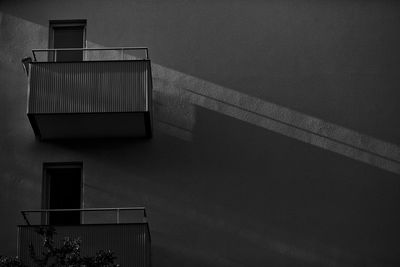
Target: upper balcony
[(107, 94), (124, 231)]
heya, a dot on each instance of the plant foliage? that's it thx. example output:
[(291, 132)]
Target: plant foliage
[(67, 255)]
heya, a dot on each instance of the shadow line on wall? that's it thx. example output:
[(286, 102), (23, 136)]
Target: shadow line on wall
[(178, 94)]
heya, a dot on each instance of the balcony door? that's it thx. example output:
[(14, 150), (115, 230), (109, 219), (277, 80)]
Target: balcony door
[(62, 189), (67, 34)]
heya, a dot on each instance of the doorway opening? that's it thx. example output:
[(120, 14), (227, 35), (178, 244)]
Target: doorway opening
[(67, 34), (62, 189)]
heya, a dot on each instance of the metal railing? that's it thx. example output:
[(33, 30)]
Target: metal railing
[(46, 212), (121, 50)]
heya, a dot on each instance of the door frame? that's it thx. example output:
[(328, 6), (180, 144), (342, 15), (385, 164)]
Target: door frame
[(66, 23), (46, 184)]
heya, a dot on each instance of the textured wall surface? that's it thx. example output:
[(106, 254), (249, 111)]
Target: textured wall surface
[(237, 173)]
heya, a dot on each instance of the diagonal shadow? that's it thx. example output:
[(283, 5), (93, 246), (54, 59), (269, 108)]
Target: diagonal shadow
[(177, 95)]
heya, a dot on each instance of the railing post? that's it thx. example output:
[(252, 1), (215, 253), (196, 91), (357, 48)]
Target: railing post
[(144, 215), (25, 218), (117, 216)]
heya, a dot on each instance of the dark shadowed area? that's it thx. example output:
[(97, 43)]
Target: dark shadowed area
[(222, 191)]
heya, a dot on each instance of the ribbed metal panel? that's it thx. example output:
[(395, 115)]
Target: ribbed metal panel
[(129, 242), (89, 87)]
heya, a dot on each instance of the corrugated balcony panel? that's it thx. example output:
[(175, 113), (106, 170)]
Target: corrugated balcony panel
[(129, 242), (90, 99), (89, 87)]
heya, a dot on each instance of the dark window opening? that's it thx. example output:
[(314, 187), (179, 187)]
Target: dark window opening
[(67, 34), (62, 189)]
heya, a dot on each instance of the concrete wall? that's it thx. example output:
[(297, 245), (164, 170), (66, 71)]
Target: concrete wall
[(223, 184)]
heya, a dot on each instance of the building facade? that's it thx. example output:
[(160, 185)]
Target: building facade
[(274, 135)]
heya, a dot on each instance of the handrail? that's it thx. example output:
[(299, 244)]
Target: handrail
[(122, 49), (47, 211)]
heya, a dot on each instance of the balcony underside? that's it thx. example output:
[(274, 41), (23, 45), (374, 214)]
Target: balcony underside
[(91, 125)]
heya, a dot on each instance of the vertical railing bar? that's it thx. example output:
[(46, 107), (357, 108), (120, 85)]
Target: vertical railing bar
[(144, 215), (18, 235), (117, 215), (25, 218)]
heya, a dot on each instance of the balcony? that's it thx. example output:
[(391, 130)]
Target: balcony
[(106, 95), (127, 236)]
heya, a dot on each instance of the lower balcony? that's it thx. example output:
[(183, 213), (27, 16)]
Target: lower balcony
[(130, 241)]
